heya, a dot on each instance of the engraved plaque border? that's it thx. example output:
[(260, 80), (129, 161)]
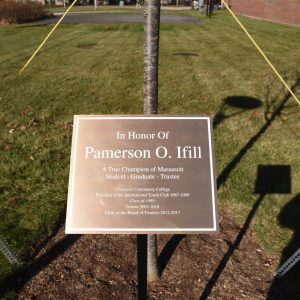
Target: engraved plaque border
[(73, 230)]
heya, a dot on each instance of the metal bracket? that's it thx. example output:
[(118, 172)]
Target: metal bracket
[(8, 253), (288, 264)]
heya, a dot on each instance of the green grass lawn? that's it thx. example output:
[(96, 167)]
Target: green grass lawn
[(98, 69)]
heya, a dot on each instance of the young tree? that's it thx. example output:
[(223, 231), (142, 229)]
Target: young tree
[(151, 47)]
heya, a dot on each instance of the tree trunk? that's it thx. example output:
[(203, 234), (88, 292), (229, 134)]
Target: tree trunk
[(151, 46)]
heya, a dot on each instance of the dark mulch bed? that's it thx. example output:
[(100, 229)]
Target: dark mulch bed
[(105, 267)]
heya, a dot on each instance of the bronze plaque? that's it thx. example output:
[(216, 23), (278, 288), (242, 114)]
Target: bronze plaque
[(142, 174)]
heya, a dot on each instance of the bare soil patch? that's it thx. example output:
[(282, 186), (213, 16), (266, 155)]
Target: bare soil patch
[(105, 267)]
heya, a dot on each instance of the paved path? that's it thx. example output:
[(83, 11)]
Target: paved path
[(74, 18)]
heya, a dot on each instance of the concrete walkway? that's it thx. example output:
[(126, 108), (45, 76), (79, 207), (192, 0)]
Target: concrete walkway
[(111, 18)]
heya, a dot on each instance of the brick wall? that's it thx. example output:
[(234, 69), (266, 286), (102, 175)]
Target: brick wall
[(286, 11)]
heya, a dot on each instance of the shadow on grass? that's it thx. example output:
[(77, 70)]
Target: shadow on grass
[(270, 117), (287, 287), (222, 178), (240, 104)]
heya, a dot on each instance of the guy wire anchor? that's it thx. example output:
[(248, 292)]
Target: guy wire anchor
[(8, 253), (288, 264)]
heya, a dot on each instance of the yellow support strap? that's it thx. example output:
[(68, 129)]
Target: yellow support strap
[(261, 52), (47, 37)]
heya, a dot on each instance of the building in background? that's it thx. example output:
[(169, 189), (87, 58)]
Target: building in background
[(284, 11)]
